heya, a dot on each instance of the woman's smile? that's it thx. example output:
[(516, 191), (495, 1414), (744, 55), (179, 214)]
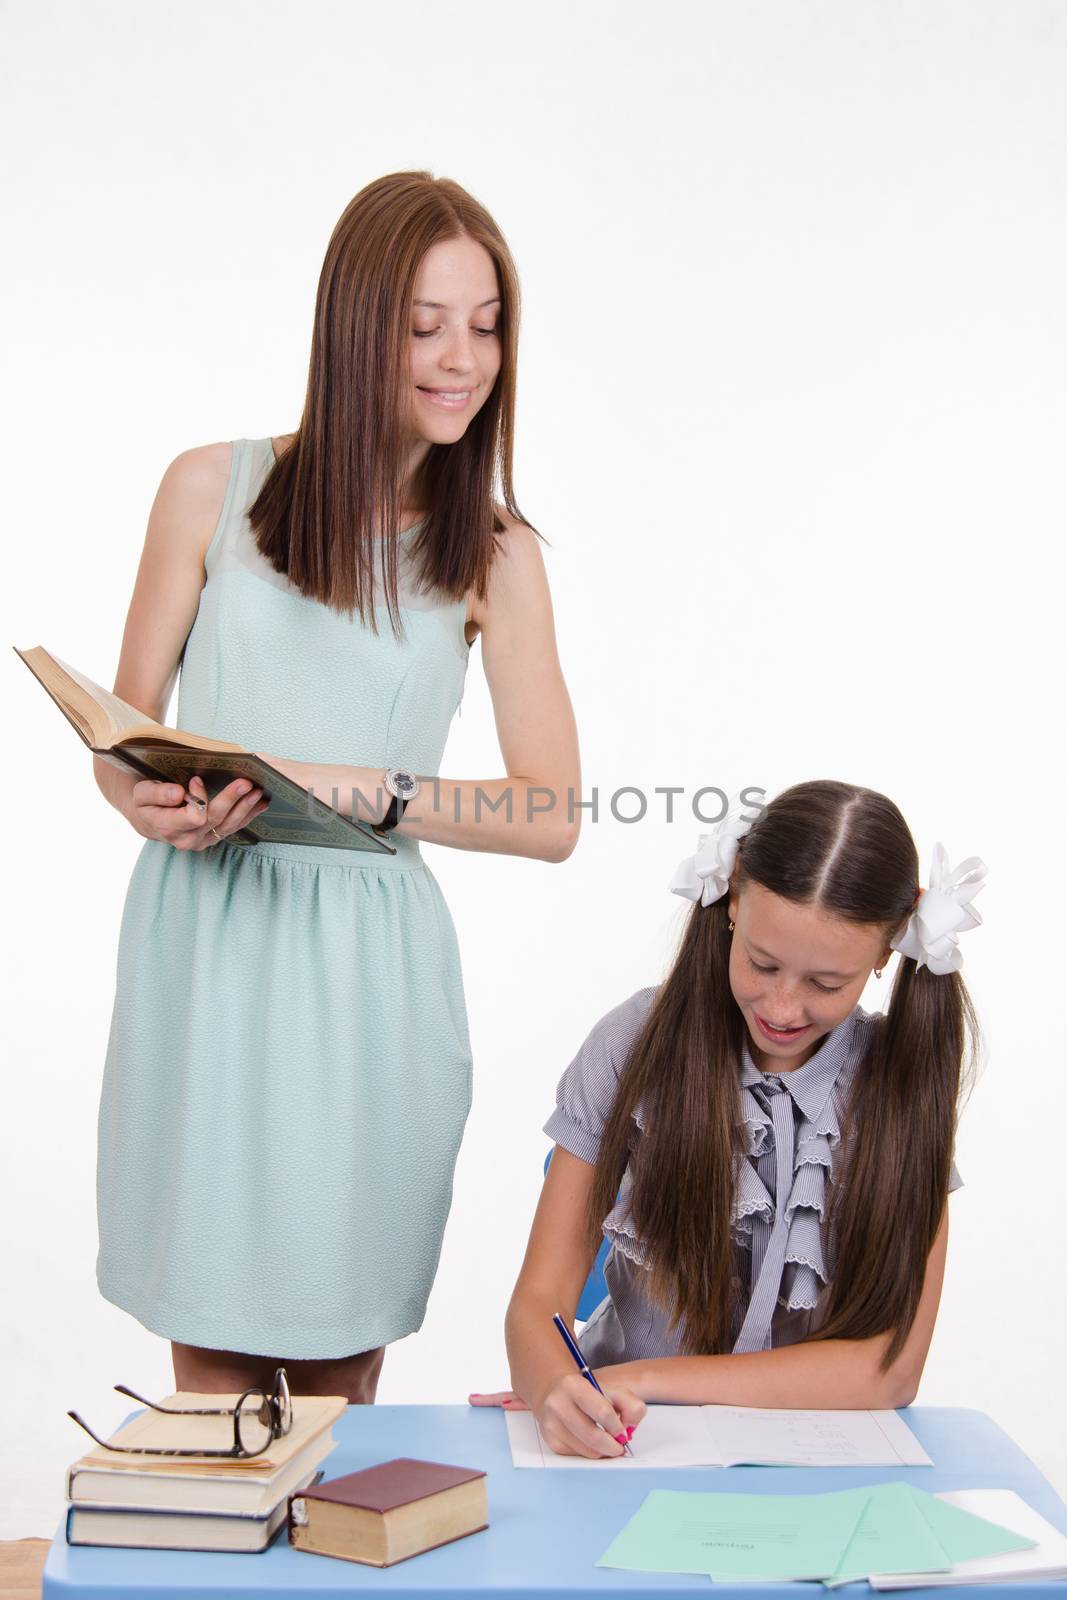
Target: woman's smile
[(450, 399)]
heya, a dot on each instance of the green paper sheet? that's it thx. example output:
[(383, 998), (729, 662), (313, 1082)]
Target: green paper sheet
[(748, 1537), (962, 1535), (892, 1535)]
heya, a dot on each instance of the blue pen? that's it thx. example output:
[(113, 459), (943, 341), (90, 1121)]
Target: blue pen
[(580, 1361)]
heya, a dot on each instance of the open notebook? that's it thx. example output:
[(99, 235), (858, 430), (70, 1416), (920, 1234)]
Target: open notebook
[(733, 1436)]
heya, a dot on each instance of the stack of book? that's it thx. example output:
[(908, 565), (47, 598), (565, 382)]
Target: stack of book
[(196, 1502)]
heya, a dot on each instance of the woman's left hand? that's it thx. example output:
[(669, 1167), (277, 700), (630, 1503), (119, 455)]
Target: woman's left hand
[(507, 1399)]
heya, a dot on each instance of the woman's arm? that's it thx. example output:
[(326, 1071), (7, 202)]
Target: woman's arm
[(162, 610), (537, 800), (838, 1374), (557, 1262)]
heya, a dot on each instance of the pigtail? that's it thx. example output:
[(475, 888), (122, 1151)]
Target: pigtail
[(900, 1130), (683, 1071)]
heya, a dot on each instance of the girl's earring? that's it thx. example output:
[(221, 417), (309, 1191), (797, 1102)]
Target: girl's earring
[(878, 971), (731, 928)]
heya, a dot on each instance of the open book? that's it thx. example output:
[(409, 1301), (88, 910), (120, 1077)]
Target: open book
[(734, 1436), (125, 737)]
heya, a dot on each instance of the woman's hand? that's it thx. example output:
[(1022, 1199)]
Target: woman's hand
[(577, 1421), (185, 818)]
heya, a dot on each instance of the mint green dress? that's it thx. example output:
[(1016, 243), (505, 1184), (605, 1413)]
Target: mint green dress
[(288, 1070)]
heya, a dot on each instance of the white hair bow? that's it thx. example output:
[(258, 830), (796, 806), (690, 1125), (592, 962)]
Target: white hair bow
[(706, 875), (944, 911)]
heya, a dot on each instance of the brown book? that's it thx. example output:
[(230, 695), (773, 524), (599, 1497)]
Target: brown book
[(390, 1512), (120, 734)]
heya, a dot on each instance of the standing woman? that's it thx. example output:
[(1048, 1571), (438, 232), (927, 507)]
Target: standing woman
[(288, 1071)]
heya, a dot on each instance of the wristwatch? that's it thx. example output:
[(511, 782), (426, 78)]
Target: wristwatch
[(403, 786)]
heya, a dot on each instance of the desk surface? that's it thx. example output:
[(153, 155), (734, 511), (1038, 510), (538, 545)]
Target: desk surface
[(546, 1528)]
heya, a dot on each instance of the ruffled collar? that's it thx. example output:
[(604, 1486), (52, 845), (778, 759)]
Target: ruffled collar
[(783, 1228)]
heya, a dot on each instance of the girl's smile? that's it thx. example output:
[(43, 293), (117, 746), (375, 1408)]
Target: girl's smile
[(779, 1035), (795, 972)]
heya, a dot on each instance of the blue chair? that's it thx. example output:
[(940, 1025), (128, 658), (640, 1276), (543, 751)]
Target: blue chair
[(595, 1288)]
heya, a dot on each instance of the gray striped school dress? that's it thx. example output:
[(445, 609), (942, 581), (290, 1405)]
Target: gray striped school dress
[(792, 1136)]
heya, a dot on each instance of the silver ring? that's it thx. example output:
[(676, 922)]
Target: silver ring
[(215, 831)]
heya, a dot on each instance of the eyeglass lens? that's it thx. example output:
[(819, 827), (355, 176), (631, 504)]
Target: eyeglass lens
[(284, 1401), (254, 1422)]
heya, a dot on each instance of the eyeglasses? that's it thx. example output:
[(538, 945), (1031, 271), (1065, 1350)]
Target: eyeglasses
[(258, 1419)]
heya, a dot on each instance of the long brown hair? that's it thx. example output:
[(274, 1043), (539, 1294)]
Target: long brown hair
[(338, 487), (847, 850)]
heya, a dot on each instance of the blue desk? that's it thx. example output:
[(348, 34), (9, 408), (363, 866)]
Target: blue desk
[(546, 1528)]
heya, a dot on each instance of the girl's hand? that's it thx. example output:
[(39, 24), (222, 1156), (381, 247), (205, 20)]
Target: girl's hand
[(569, 1414), (184, 817), (507, 1399)]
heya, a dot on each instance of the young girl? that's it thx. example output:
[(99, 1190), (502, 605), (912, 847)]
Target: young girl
[(770, 1163), (289, 1070)]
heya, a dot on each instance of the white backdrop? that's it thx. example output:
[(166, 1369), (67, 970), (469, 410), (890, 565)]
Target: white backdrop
[(792, 417)]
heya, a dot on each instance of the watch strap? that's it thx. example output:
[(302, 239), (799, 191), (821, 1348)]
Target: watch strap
[(392, 816)]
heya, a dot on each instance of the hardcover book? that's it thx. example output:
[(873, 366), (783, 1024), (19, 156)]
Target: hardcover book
[(123, 736), (390, 1512)]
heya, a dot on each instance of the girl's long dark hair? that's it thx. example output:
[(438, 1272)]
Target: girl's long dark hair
[(338, 486), (847, 850)]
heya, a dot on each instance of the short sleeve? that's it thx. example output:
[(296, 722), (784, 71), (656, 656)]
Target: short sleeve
[(586, 1090)]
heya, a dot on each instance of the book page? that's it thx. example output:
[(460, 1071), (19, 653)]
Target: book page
[(716, 1436), (123, 717), (763, 1437), (669, 1436)]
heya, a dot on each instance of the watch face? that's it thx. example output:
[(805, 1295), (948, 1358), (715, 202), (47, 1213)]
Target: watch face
[(405, 784)]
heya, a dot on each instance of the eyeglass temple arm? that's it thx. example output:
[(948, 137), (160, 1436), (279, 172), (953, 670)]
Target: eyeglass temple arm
[(83, 1424), (175, 1411)]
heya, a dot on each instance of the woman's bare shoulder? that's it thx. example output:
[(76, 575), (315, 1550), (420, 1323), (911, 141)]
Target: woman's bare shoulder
[(196, 480), (189, 501)]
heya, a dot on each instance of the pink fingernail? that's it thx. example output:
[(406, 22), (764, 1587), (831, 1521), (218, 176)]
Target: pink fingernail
[(629, 1433), (620, 1438)]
